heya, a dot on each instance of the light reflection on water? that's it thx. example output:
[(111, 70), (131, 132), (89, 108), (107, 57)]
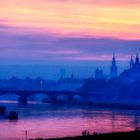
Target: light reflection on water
[(44, 120)]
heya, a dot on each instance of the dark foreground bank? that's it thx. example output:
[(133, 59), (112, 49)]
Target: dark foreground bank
[(133, 135)]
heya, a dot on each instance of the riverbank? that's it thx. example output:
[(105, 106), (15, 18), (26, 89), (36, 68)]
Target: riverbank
[(113, 105), (127, 106), (133, 135)]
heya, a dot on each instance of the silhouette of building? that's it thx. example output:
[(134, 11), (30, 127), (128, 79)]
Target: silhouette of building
[(131, 62), (133, 73), (137, 63), (113, 69), (69, 84), (99, 74)]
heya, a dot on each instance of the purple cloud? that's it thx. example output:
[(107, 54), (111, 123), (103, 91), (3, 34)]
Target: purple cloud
[(18, 45)]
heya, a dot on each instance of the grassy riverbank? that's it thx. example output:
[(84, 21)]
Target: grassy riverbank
[(133, 135)]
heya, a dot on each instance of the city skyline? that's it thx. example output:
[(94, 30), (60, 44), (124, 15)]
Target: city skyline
[(55, 72)]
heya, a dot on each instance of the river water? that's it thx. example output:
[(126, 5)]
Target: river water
[(46, 121)]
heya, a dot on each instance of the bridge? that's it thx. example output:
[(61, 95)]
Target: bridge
[(53, 95)]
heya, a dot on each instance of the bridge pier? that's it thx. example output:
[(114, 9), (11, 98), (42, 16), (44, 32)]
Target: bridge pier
[(70, 98), (53, 99), (22, 101)]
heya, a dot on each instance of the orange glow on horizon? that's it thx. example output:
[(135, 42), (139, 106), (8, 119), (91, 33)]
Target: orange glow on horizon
[(74, 18)]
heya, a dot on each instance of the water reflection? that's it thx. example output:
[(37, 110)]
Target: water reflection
[(44, 120)]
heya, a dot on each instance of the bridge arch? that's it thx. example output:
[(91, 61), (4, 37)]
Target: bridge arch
[(62, 97), (9, 96), (38, 97), (54, 96), (77, 98)]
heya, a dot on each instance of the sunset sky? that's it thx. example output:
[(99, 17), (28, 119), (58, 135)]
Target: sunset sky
[(58, 31)]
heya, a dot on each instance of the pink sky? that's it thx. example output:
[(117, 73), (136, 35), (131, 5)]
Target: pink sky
[(101, 18), (23, 23)]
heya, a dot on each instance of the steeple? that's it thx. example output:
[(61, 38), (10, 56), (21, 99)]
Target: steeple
[(113, 59), (131, 62), (137, 60), (113, 54), (113, 69), (99, 74)]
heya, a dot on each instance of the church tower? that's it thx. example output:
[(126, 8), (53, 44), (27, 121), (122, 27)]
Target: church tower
[(113, 69), (99, 74), (131, 63), (137, 63)]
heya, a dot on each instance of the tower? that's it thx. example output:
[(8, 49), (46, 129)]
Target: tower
[(131, 63), (99, 74), (137, 63), (113, 69)]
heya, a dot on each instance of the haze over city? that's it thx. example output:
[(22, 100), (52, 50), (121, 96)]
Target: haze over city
[(66, 33)]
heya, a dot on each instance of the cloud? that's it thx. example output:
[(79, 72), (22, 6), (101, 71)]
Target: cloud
[(101, 2), (43, 48), (94, 18)]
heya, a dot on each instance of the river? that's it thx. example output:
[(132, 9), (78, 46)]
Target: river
[(46, 120)]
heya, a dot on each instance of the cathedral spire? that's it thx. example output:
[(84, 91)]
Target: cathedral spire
[(114, 54), (137, 63), (113, 59), (137, 59), (113, 69), (131, 62)]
